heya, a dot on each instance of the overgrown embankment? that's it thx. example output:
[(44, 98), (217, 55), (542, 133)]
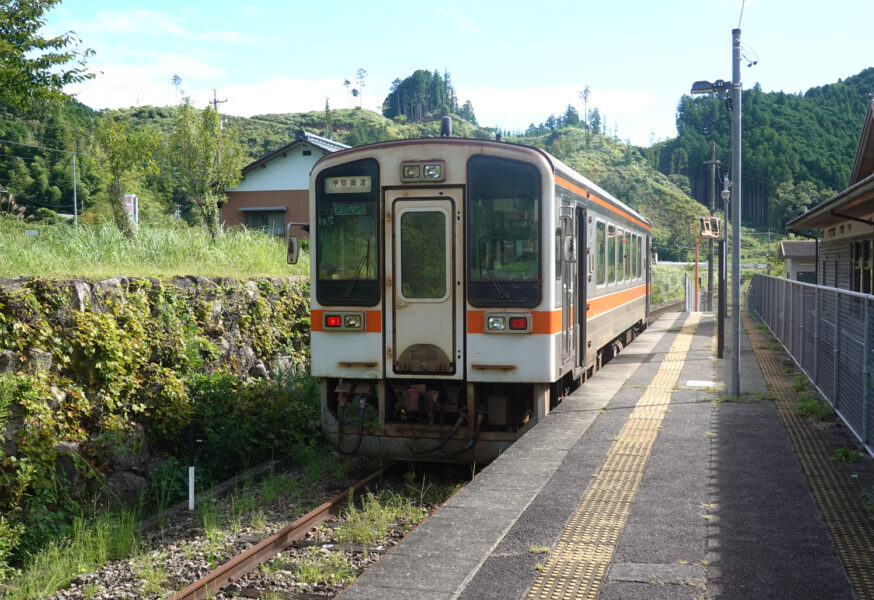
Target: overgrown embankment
[(99, 380)]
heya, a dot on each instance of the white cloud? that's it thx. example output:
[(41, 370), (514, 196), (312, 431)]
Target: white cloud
[(516, 109), (458, 20)]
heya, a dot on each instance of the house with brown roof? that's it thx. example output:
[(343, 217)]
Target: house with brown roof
[(845, 223), (274, 190)]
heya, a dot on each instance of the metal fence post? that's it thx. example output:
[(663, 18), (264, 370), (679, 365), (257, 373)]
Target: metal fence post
[(837, 351), (790, 337), (816, 319), (866, 373), (801, 328)]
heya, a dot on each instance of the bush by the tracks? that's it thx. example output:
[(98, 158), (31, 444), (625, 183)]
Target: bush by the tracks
[(99, 380)]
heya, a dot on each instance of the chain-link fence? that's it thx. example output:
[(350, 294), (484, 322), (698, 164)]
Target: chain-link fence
[(829, 333)]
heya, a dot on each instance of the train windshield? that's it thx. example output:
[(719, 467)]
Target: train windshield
[(503, 232), (347, 234)]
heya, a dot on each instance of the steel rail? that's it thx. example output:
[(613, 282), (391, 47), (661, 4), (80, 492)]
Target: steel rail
[(212, 582)]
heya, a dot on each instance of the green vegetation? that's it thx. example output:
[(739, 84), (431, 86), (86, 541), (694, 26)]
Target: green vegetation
[(424, 96), (811, 407), (139, 371), (846, 455), (101, 252), (370, 522), (87, 546), (798, 148), (317, 566)]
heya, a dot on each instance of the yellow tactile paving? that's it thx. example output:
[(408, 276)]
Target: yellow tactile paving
[(578, 564), (836, 495)]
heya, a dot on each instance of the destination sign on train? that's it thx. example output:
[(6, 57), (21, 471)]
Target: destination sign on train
[(358, 184)]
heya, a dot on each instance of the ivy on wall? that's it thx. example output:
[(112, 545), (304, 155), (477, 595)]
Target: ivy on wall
[(83, 362)]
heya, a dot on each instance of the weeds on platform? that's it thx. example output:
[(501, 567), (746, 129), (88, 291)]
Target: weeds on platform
[(845, 455), (810, 407)]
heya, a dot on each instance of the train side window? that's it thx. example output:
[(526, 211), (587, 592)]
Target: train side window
[(600, 253), (611, 254), (626, 259), (636, 253)]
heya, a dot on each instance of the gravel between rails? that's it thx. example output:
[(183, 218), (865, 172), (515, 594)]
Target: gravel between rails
[(183, 550)]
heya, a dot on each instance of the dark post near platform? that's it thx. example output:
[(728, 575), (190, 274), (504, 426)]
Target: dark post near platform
[(194, 433), (720, 315)]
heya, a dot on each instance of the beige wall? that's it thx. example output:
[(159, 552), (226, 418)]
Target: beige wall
[(296, 202)]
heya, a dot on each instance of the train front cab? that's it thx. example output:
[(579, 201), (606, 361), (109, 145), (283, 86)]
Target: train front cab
[(445, 317)]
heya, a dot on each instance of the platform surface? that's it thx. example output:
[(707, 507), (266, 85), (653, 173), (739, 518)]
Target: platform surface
[(646, 482)]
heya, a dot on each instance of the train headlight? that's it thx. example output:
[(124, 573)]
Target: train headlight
[(433, 171), (352, 321), (496, 323)]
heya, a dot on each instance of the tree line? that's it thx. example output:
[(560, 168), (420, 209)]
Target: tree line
[(798, 148), (425, 96)]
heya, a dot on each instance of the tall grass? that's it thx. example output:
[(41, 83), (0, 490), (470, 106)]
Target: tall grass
[(668, 283), (101, 251), (110, 536)]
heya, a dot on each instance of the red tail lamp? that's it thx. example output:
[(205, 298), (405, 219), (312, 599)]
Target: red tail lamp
[(519, 323)]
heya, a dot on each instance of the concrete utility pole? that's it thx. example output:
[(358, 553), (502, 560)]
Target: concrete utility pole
[(736, 88)]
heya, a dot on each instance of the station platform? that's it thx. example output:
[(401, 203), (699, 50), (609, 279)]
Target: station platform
[(649, 481)]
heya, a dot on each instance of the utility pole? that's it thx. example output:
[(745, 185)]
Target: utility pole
[(736, 87), (75, 203), (712, 162), (215, 101)]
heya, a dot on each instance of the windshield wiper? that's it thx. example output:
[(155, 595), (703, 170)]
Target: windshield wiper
[(502, 295), (365, 260)]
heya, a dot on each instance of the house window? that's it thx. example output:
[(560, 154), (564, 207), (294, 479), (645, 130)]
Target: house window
[(270, 222)]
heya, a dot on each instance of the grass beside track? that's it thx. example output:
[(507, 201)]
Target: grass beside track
[(101, 251)]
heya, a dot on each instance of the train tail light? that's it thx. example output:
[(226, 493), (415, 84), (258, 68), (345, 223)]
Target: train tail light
[(519, 323), (343, 321)]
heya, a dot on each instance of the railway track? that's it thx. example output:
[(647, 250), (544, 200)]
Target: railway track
[(664, 308), (213, 582)]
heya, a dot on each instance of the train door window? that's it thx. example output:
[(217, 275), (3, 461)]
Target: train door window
[(611, 254), (601, 253), (558, 253), (423, 257)]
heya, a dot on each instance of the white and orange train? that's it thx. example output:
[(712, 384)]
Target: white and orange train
[(459, 286)]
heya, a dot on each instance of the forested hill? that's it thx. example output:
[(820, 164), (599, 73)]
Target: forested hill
[(789, 140), (36, 162)]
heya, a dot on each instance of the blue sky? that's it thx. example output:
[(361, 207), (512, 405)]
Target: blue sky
[(516, 61)]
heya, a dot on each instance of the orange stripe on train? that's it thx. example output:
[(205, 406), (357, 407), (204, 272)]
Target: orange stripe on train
[(577, 189)]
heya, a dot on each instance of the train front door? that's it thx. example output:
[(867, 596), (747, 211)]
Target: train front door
[(423, 282)]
